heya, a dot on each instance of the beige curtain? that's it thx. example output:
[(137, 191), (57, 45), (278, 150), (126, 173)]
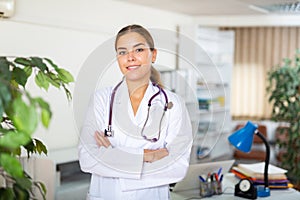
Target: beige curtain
[(257, 50)]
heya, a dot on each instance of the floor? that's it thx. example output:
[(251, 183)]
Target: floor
[(73, 183), (73, 191)]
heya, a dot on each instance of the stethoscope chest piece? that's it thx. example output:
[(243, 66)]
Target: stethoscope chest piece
[(108, 132)]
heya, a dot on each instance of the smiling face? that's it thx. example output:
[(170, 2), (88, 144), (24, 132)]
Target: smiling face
[(135, 57)]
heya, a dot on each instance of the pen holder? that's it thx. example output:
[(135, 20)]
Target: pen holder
[(206, 189), (216, 187)]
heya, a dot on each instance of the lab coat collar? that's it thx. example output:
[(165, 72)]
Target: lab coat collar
[(122, 101), (131, 125)]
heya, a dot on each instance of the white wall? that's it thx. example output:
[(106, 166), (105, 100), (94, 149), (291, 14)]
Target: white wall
[(68, 31), (248, 20)]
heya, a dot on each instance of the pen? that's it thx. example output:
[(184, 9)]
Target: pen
[(216, 177), (212, 177), (202, 179), (221, 178), (219, 172)]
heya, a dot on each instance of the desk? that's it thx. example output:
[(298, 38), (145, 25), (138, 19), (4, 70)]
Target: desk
[(229, 182)]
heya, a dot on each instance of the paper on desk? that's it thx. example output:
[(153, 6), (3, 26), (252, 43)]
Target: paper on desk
[(258, 168)]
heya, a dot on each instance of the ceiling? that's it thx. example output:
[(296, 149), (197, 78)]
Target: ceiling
[(222, 7)]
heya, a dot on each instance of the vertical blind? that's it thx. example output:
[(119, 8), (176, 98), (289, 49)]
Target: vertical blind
[(257, 50)]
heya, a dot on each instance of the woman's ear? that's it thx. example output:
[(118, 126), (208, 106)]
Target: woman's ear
[(154, 53)]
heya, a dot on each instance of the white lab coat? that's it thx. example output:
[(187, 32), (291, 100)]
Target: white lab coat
[(118, 172)]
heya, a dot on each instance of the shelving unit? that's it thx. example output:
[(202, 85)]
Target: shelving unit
[(210, 58)]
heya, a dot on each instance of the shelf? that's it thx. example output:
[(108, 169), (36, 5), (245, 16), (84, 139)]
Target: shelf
[(213, 55), (216, 110), (206, 86)]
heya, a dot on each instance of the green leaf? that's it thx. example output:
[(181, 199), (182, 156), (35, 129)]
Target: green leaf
[(28, 71), (4, 69), (41, 186), (65, 76), (68, 93), (6, 194), (14, 140), (41, 80), (42, 103), (5, 94), (38, 62), (20, 193), (35, 146), (16, 151), (53, 79), (287, 61), (24, 116), (1, 110), (52, 63), (30, 148), (19, 76), (46, 113), (24, 182), (46, 117), (40, 147), (5, 97), (23, 61), (11, 165)]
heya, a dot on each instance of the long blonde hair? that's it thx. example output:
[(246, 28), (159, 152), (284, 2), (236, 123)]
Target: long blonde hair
[(155, 76)]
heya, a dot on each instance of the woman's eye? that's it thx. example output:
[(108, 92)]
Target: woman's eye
[(139, 50), (120, 53)]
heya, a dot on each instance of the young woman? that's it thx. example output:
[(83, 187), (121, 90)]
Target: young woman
[(137, 136)]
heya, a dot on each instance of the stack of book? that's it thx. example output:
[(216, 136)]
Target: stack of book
[(255, 172)]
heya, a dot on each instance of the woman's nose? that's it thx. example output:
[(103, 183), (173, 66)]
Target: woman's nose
[(130, 56)]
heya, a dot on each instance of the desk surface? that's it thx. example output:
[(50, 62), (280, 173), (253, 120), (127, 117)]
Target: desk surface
[(229, 182)]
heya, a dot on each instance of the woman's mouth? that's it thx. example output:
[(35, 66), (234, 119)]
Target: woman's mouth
[(132, 67)]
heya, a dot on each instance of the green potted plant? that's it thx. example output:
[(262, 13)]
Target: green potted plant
[(284, 90), (20, 114)]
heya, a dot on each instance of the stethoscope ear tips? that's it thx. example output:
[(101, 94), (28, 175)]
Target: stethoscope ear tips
[(170, 105)]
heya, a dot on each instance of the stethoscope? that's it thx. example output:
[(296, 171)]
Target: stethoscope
[(168, 105)]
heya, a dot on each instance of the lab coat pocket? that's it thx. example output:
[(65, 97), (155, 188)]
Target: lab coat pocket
[(92, 197)]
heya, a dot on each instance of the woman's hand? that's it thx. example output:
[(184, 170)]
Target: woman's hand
[(101, 139), (154, 155)]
